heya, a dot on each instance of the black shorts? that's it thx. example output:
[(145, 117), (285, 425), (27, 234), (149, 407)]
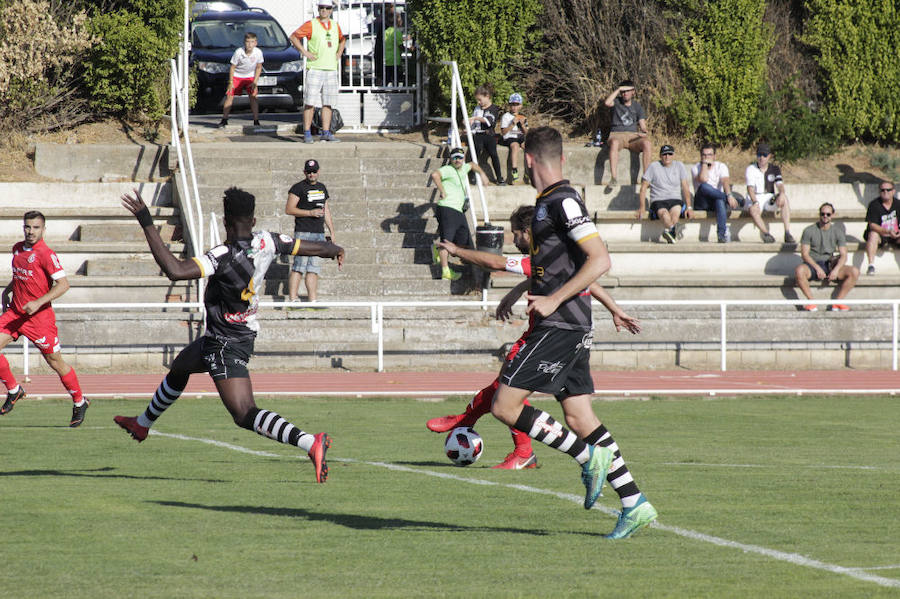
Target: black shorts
[(226, 358), (507, 141), (885, 240), (826, 266), (658, 205), (554, 361), (453, 226)]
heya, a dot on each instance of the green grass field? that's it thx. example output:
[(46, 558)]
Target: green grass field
[(796, 497)]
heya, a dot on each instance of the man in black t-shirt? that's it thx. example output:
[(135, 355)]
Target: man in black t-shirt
[(628, 128), (881, 223), (235, 270), (308, 203)]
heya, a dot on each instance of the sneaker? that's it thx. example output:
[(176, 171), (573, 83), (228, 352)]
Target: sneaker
[(317, 455), (811, 308), (328, 136), (515, 175), (451, 275), (130, 424), (78, 413), (307, 137), (839, 308), (517, 462), (788, 238), (501, 182), (871, 270), (11, 399), (447, 423), (667, 236), (612, 182), (722, 240), (593, 474), (435, 255), (767, 237), (256, 123), (632, 519), (222, 123)]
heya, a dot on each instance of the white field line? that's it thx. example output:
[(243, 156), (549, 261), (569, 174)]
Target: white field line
[(792, 558), (816, 466)]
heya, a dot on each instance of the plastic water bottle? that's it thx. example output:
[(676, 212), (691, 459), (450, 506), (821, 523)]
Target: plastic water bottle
[(728, 232)]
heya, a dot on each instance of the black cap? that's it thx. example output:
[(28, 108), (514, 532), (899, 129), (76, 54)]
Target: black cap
[(763, 150), (666, 149), (311, 166)]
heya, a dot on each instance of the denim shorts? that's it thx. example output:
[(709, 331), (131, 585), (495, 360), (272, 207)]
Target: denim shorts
[(311, 264)]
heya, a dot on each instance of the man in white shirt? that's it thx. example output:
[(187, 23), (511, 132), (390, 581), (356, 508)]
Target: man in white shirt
[(765, 192), (712, 189), (246, 66)]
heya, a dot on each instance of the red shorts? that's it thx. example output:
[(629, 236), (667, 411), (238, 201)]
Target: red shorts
[(241, 84), (40, 328)]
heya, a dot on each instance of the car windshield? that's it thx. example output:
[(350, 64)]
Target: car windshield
[(230, 34)]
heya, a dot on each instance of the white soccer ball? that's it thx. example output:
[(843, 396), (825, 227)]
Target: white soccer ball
[(463, 446)]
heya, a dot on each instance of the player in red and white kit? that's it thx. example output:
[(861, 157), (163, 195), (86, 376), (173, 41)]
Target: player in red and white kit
[(522, 455), (38, 279)]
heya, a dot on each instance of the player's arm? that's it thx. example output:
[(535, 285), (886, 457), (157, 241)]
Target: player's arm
[(172, 267), (597, 263), (476, 257), (59, 287), (323, 249), (504, 308), (620, 318), (7, 291)]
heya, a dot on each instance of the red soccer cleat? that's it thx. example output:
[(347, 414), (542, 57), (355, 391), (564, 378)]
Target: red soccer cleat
[(446, 423), (130, 424), (317, 455), (517, 462)]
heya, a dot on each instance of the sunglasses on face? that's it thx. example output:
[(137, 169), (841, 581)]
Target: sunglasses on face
[(826, 213), (884, 189)]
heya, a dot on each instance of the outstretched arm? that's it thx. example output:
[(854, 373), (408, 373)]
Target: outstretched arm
[(476, 257), (174, 269), (620, 318)]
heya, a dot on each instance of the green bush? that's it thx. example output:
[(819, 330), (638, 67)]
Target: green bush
[(787, 121), (127, 72), (484, 37), (721, 54), (856, 45)]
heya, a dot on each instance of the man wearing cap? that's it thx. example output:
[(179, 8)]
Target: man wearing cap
[(629, 127), (450, 181), (325, 46), (670, 193), (513, 127), (765, 193), (308, 203)]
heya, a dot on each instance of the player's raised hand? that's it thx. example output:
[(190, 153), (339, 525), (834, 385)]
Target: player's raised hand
[(133, 203)]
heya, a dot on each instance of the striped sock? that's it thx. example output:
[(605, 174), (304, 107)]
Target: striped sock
[(270, 424), (540, 426), (618, 476), (169, 390)]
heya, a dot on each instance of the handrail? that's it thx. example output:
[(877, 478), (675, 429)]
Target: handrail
[(376, 310)]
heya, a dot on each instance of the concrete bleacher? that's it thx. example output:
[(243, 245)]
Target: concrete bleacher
[(382, 202)]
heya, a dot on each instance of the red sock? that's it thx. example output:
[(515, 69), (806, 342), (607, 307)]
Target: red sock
[(521, 440), (480, 404), (6, 374), (70, 382)]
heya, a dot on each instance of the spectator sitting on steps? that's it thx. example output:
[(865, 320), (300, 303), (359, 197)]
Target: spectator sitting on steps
[(670, 195), (765, 193), (629, 127), (882, 223), (712, 189), (817, 246)]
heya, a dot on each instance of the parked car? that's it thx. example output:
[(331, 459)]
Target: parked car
[(214, 38)]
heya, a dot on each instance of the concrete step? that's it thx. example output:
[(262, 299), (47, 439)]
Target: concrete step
[(121, 232), (52, 197)]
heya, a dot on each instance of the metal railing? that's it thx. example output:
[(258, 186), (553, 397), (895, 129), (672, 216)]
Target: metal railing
[(377, 309)]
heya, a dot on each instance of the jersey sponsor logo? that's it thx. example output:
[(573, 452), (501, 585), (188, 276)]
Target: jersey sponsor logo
[(286, 238), (586, 341), (541, 212), (577, 221), (31, 258), (553, 368)]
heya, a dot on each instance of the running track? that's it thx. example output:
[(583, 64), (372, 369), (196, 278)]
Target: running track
[(437, 384)]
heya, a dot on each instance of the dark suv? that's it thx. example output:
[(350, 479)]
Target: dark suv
[(214, 38)]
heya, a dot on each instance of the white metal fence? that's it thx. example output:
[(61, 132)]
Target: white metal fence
[(377, 311)]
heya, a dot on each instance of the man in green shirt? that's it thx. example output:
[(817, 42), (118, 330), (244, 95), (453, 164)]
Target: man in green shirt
[(450, 181), (817, 246)]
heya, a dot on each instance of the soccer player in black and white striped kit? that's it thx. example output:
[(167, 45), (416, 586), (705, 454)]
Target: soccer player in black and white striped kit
[(235, 270), (567, 255)]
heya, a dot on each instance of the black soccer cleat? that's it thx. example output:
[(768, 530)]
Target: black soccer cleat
[(11, 399), (78, 413)]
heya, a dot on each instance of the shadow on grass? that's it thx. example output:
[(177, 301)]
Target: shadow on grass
[(352, 520), (102, 473)]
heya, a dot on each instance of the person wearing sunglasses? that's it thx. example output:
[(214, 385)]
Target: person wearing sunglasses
[(882, 223), (765, 193), (818, 244)]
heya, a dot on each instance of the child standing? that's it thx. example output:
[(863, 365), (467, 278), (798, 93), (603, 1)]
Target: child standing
[(246, 66), (483, 120), (513, 127)]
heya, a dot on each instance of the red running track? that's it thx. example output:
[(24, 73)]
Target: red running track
[(437, 384)]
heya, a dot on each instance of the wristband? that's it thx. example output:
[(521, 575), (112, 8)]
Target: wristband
[(143, 217)]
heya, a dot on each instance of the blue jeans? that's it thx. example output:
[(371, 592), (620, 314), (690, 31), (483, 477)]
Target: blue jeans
[(708, 197)]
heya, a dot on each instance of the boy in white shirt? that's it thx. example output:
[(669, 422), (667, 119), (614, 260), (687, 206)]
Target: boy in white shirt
[(246, 66), (712, 189), (513, 127)]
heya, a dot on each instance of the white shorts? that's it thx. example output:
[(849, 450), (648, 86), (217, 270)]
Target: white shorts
[(766, 202), (320, 88)]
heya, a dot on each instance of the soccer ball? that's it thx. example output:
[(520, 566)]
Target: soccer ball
[(463, 446)]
